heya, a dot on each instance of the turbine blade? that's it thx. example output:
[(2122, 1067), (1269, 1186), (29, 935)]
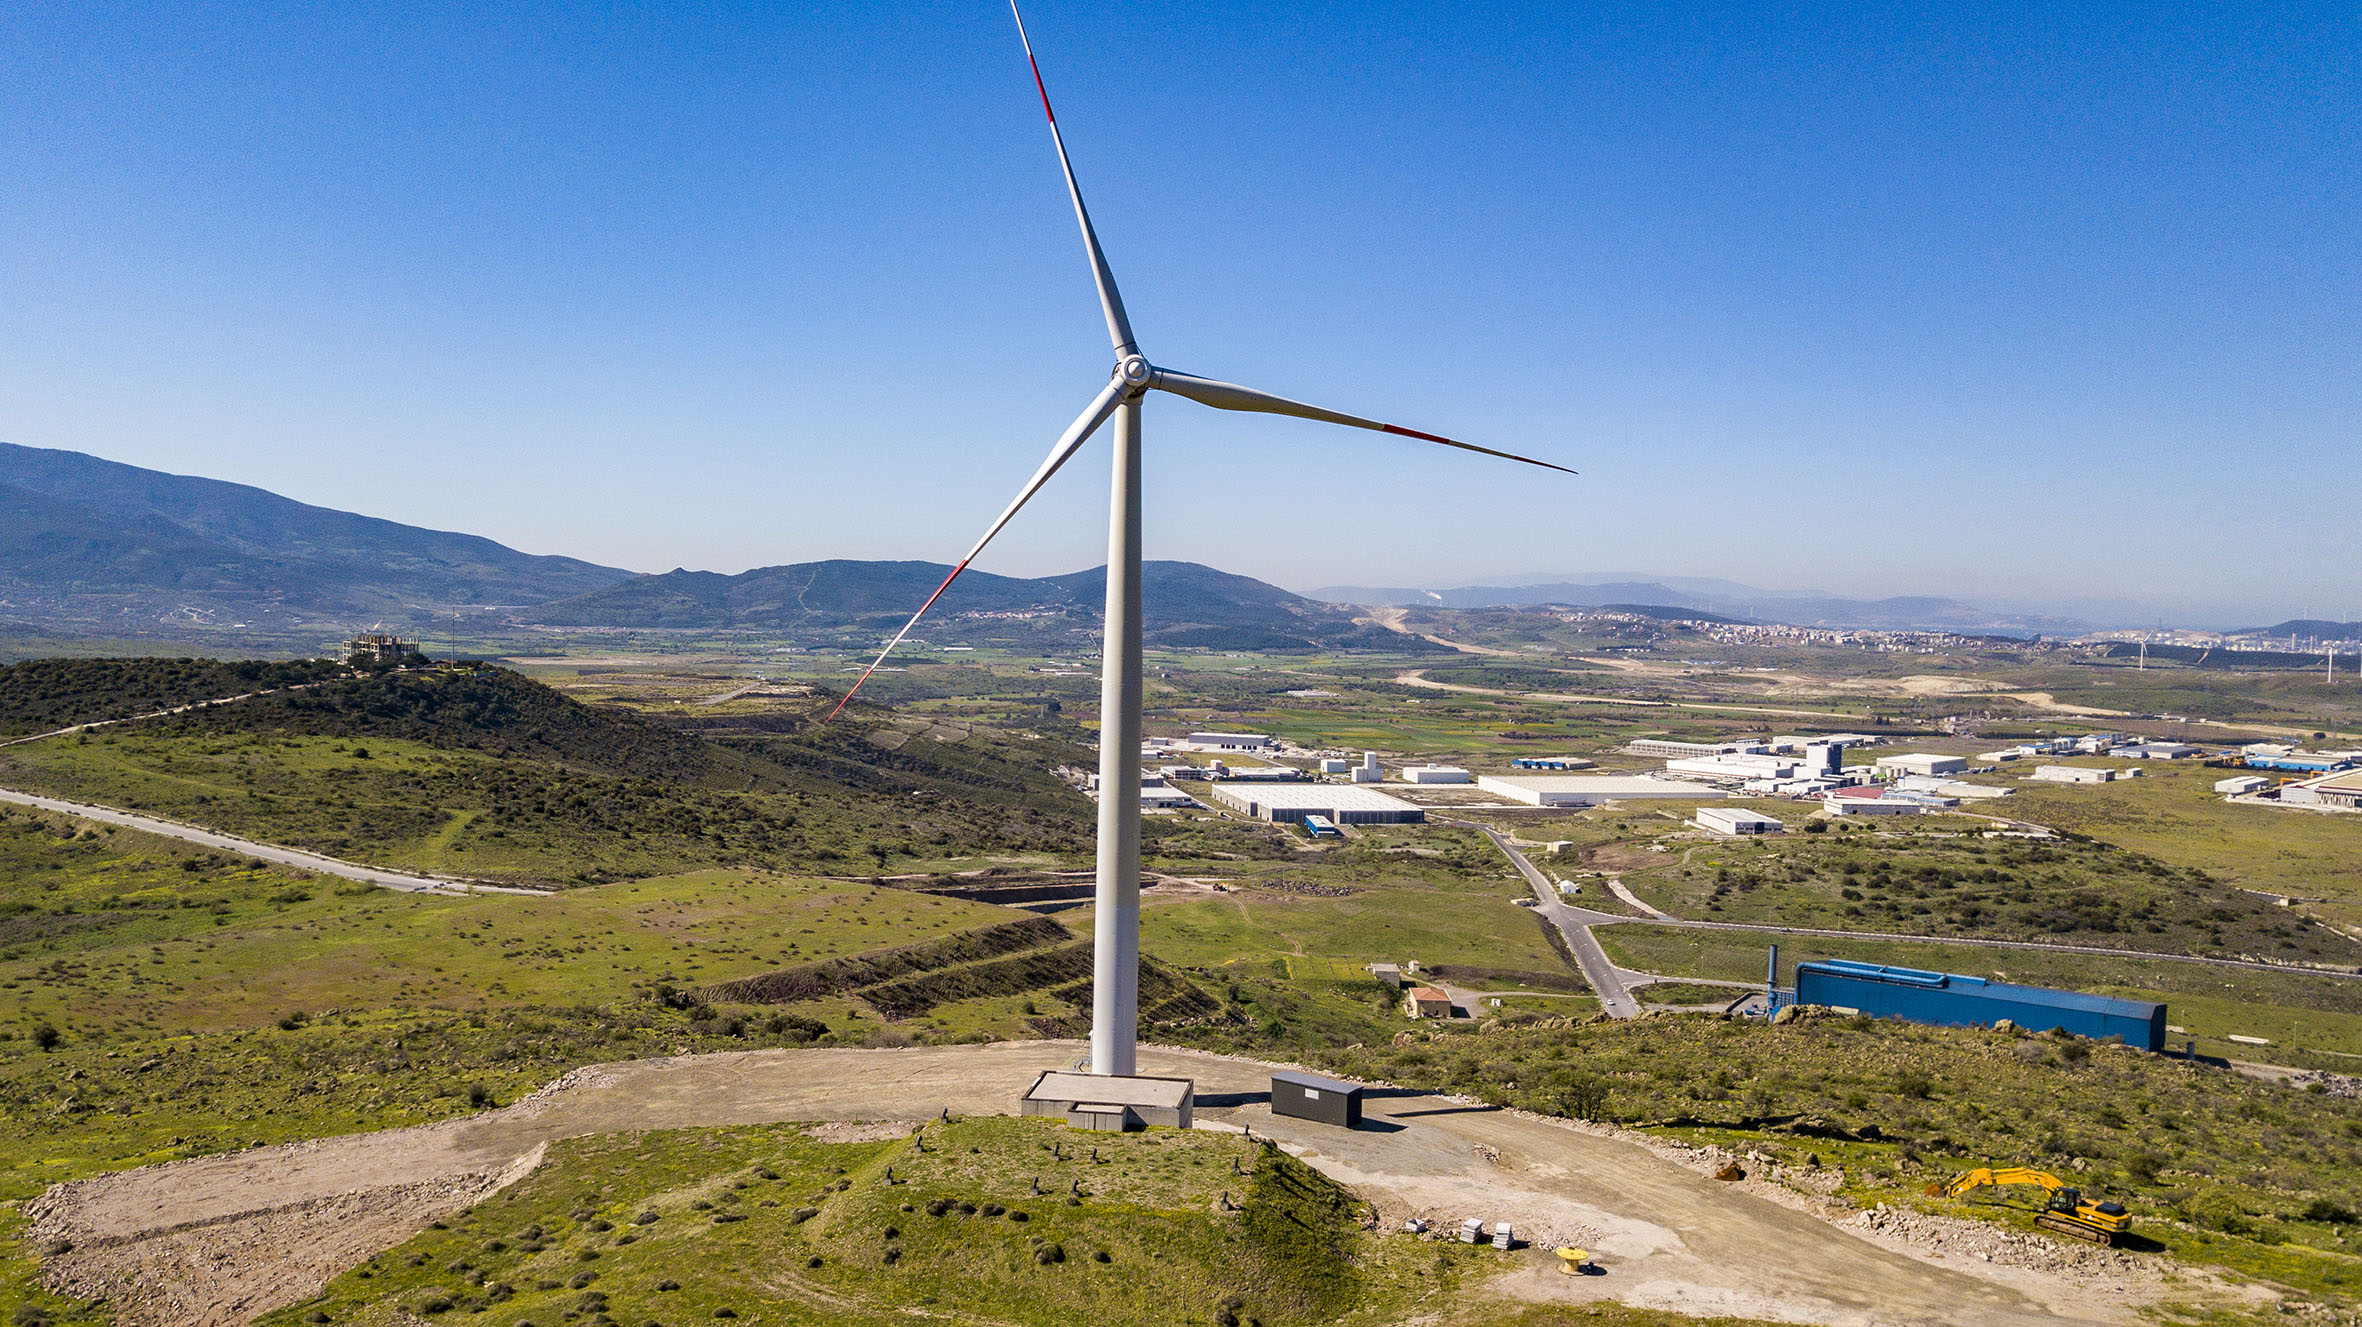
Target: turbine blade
[(1069, 442), (1111, 303), (1231, 396)]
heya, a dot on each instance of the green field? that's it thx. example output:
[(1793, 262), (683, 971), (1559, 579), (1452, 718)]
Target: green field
[(2174, 815), (1931, 880)]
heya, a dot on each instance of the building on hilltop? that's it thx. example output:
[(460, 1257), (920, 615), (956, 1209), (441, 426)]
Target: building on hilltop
[(377, 647)]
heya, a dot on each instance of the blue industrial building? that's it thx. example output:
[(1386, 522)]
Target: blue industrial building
[(1949, 1000), (1549, 762)]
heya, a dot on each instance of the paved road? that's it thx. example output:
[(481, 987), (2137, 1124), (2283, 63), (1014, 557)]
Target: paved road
[(242, 1232), (405, 881), (1607, 982)]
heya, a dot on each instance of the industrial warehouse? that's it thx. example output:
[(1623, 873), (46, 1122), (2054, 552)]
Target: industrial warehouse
[(1338, 803), (1590, 789), (1950, 1000)]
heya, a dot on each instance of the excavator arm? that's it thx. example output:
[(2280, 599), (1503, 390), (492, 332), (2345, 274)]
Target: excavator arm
[(2065, 1212)]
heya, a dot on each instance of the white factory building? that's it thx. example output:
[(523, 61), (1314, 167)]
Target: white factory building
[(1921, 763), (2073, 774), (1734, 821), (1340, 803), (2240, 785), (1231, 742), (1435, 774), (1666, 747), (1590, 789), (1733, 767)]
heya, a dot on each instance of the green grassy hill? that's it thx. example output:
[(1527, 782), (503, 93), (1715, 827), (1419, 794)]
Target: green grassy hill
[(987, 1223), (42, 695), (488, 774)]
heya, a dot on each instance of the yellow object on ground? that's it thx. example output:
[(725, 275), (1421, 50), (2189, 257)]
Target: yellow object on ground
[(2066, 1213)]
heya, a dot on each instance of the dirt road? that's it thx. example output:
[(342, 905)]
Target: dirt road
[(1417, 677), (406, 881), (214, 1241)]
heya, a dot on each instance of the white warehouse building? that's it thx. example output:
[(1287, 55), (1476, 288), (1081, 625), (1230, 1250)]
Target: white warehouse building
[(1590, 789), (1231, 742), (1341, 803), (1435, 774), (1734, 821), (1922, 762), (2073, 774), (1734, 767)]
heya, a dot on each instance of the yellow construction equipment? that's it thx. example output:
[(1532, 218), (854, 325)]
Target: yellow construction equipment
[(2064, 1212)]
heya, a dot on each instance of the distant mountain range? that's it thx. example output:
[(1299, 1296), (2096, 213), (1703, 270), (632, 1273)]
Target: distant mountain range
[(95, 547), (89, 546), (1185, 605), (95, 544), (1724, 599)]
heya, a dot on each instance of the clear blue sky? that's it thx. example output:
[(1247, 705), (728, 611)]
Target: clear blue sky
[(2041, 302)]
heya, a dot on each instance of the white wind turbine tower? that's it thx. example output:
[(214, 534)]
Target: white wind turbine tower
[(1115, 988)]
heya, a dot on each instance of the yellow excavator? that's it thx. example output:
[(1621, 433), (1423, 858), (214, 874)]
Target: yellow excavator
[(2065, 1212)]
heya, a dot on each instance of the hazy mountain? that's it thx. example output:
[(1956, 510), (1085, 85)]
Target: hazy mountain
[(1185, 604), (88, 542), (2306, 628), (1727, 599)]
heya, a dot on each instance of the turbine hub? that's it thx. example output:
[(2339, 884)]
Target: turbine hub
[(1134, 370)]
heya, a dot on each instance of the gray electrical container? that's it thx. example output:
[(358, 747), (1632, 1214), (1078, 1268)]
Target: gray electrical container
[(1311, 1097)]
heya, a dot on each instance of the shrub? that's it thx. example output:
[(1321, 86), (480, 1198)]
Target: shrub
[(2328, 1213), (46, 1037)]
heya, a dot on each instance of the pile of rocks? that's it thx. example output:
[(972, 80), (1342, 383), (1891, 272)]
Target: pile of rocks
[(1987, 1243)]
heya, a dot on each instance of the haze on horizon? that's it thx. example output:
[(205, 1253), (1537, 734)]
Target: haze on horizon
[(2026, 307)]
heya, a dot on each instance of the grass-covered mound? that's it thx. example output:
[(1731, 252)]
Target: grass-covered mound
[(996, 1219), (2215, 1165), (41, 695), (479, 708), (485, 773)]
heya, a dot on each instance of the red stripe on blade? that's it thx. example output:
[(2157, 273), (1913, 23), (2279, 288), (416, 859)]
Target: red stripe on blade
[(1423, 437), (914, 621), (1041, 87)]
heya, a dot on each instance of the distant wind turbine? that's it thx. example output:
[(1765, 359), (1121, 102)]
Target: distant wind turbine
[(1115, 992)]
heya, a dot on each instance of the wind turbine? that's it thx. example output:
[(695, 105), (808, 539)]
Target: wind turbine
[(1115, 966)]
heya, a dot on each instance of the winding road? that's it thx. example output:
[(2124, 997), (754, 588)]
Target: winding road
[(1606, 979)]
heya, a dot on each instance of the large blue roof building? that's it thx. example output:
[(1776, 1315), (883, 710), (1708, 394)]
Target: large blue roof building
[(1949, 1000)]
